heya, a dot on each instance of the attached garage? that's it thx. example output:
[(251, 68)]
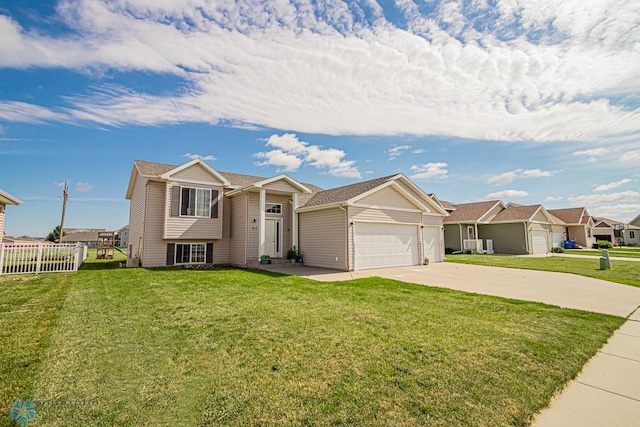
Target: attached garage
[(380, 245), (431, 239), (557, 237), (540, 241)]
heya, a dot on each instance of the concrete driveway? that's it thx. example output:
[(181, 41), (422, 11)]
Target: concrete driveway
[(561, 289)]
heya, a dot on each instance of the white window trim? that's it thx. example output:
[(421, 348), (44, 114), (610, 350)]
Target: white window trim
[(272, 204), (175, 255), (196, 203)]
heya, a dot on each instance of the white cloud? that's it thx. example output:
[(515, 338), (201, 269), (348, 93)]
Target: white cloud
[(418, 151), (631, 156), (191, 156), (83, 187), (600, 199), (397, 151), (368, 172), (612, 185), (507, 194), (59, 184), (429, 171), (622, 212), (291, 153), (592, 154), (553, 199), (537, 71), (506, 177)]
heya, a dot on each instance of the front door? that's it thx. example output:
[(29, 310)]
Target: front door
[(273, 237)]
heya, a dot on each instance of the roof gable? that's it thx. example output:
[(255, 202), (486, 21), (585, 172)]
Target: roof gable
[(389, 195), (571, 216), (8, 199), (514, 213), (472, 212), (195, 163)]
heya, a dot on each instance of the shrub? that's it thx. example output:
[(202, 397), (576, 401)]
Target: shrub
[(604, 244), (448, 251), (635, 245), (558, 250)]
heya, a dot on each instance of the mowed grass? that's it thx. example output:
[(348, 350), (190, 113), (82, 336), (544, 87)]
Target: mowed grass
[(626, 252), (625, 272), (233, 348)]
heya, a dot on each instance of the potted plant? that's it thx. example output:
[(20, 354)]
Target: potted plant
[(265, 259), (299, 258), (292, 254), (426, 261)]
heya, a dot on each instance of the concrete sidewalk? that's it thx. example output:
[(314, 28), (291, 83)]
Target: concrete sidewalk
[(612, 258), (607, 391)]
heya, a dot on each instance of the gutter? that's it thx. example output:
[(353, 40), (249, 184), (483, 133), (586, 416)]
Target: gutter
[(346, 237), (526, 236)]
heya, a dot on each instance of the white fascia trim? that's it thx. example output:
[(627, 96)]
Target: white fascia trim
[(285, 177), (389, 183), (387, 208), (12, 200), (321, 207), (189, 181), (416, 224), (425, 196), (222, 179), (132, 180), (491, 208)]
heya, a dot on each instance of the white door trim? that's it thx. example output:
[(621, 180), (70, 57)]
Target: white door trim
[(274, 248)]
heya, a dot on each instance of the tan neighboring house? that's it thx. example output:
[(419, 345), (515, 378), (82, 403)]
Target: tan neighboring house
[(87, 236), (493, 226), (616, 232), (634, 231), (6, 199), (572, 224), (193, 214)]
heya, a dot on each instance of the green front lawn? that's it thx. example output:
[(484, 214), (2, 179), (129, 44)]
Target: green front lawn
[(625, 272), (229, 347), (627, 252)]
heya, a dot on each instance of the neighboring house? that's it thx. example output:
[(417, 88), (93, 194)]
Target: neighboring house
[(572, 224), (192, 214), (616, 232), (122, 237), (6, 199), (87, 236), (492, 226), (22, 240)]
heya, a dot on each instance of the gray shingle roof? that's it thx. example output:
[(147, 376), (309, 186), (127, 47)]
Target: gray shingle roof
[(571, 215), (344, 193), (470, 211)]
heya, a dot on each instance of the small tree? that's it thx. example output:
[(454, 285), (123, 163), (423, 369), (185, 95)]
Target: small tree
[(54, 236)]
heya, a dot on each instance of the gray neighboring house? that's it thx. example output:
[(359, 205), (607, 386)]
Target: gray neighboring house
[(6, 199), (494, 226), (122, 237), (193, 214), (87, 236), (616, 232)]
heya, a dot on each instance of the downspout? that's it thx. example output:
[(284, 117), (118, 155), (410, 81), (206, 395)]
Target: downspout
[(526, 236), (476, 228), (346, 235), (144, 226), (461, 245)]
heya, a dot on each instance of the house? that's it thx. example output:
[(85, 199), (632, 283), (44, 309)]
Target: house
[(122, 237), (572, 224), (87, 236), (616, 232), (6, 199), (634, 232), (192, 213), (495, 227)]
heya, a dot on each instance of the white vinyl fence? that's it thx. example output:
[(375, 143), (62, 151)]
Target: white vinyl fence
[(42, 257)]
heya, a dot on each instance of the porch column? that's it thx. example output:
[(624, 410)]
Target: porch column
[(294, 221), (263, 199), (477, 237)]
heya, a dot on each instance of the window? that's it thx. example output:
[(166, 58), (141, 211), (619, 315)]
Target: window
[(195, 202), (273, 208), (190, 253), (632, 234), (588, 232)]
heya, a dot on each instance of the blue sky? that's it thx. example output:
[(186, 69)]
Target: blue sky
[(529, 101)]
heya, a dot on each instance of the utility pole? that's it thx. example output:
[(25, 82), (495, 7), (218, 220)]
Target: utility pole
[(65, 196)]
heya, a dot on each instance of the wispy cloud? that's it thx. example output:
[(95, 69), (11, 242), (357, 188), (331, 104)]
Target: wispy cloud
[(620, 211), (418, 151), (612, 185), (631, 156), (429, 171), (289, 153), (507, 194), (209, 157), (510, 176), (518, 77), (600, 199), (592, 154), (553, 199), (83, 187), (397, 151)]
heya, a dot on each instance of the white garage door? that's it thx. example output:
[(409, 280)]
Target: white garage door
[(385, 245), (432, 244), (540, 241), (557, 239)]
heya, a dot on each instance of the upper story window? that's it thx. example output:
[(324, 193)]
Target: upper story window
[(273, 208), (195, 202), (588, 231)]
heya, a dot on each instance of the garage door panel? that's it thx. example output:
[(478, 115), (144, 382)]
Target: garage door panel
[(540, 240), (385, 245), (431, 237)]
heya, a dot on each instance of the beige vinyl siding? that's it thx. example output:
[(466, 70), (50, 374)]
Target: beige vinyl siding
[(253, 238), (578, 233), (452, 236), (238, 232), (537, 226), (195, 173), (432, 220), (181, 227), (492, 213), (387, 197), (136, 215), (281, 185), (2, 214), (221, 248), (539, 216), (322, 238), (155, 248), (357, 213), (507, 238), (420, 197), (286, 216)]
